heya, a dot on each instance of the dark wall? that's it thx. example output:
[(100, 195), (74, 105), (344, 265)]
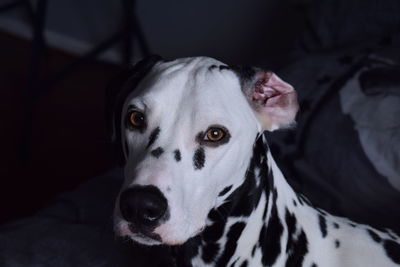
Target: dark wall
[(246, 31)]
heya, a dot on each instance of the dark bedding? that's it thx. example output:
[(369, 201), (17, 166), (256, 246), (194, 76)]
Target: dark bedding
[(345, 153), (76, 230)]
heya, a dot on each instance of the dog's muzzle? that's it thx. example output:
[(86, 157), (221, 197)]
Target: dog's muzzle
[(144, 207)]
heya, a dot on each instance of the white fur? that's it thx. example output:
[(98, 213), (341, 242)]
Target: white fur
[(184, 98)]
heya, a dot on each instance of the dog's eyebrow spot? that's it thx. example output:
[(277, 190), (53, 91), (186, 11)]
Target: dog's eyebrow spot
[(221, 67), (212, 67), (157, 152), (224, 67), (225, 190), (177, 155), (153, 136), (322, 225), (199, 158)]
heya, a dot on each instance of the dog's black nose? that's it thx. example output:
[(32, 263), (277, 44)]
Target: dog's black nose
[(143, 205)]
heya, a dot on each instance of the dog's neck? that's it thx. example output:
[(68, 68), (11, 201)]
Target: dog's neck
[(251, 217)]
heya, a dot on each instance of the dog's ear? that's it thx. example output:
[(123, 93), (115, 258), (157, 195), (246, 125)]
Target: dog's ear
[(273, 100), (117, 92)]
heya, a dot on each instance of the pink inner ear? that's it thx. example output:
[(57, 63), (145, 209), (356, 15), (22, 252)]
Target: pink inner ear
[(274, 100), (269, 88)]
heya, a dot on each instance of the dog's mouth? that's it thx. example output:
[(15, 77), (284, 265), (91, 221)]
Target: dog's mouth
[(127, 230), (149, 237), (144, 233)]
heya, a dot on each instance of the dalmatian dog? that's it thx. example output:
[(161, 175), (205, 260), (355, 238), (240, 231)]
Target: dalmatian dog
[(199, 175)]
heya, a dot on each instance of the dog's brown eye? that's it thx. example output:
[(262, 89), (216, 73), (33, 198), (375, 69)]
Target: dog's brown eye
[(136, 119), (215, 134)]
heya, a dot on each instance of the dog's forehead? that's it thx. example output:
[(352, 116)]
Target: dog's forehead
[(200, 82)]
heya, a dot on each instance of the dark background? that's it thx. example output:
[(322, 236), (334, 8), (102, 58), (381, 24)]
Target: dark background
[(67, 142)]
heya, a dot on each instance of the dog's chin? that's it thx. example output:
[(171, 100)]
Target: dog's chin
[(176, 238)]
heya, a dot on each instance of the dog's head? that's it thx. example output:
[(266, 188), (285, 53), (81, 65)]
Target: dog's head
[(186, 130)]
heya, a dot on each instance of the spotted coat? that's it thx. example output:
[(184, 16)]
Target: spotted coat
[(254, 218), (264, 222)]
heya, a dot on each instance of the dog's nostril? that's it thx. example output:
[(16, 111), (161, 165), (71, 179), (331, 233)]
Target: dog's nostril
[(143, 205), (152, 213)]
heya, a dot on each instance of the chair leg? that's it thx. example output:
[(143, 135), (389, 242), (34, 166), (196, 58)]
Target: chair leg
[(132, 31), (38, 48)]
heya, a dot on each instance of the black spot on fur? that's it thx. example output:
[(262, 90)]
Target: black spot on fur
[(153, 136), (212, 67), (321, 211), (213, 232), (242, 202), (245, 199), (322, 225), (214, 214), (233, 263), (390, 233), (253, 251), (291, 227), (270, 238), (274, 195), (245, 74), (374, 236), (300, 201), (230, 246), (210, 251), (308, 202), (298, 251), (352, 224), (314, 265), (157, 152), (392, 250), (199, 158), (294, 203), (265, 212), (244, 264), (337, 243), (177, 155), (184, 254), (337, 226), (225, 190)]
